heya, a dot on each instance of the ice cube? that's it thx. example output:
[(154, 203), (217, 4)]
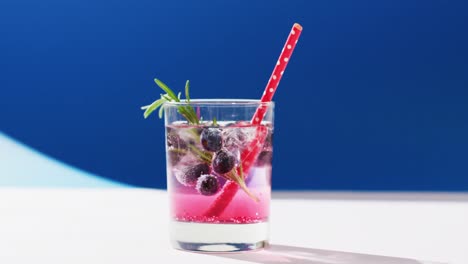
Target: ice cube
[(233, 138)]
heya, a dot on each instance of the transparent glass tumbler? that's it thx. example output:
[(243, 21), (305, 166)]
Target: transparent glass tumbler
[(218, 174)]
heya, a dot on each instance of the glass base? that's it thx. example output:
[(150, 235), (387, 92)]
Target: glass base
[(219, 247), (219, 237)]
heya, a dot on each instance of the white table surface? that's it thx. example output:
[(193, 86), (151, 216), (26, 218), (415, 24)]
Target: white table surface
[(129, 225)]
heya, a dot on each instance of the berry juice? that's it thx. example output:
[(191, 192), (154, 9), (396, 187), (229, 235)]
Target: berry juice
[(205, 161)]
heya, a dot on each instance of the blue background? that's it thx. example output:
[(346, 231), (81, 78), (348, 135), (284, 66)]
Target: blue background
[(374, 98)]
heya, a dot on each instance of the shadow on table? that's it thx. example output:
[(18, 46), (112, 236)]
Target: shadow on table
[(373, 196), (279, 254)]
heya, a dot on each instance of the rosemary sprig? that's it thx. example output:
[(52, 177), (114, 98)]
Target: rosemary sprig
[(187, 110), (239, 179), (203, 156)]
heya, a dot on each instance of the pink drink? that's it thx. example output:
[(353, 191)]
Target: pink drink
[(188, 204)]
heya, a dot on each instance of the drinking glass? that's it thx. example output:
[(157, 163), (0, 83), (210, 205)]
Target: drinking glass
[(219, 174)]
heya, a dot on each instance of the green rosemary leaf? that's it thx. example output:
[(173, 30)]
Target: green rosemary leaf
[(206, 157), (167, 90), (187, 94), (165, 96), (161, 110), (153, 107)]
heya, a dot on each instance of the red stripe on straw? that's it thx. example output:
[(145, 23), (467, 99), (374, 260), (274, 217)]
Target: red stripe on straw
[(251, 153)]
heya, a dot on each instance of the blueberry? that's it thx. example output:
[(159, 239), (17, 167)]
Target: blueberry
[(223, 162), (190, 175), (211, 139), (207, 184)]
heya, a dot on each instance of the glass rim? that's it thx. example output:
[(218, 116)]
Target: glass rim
[(222, 102)]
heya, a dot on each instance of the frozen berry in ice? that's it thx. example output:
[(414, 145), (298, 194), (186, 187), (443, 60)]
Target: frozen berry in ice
[(211, 139), (176, 147), (174, 141), (264, 158), (207, 184), (223, 162), (233, 138), (174, 156), (268, 140), (190, 175)]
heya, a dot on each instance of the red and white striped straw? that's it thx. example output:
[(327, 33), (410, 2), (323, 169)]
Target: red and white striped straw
[(278, 71)]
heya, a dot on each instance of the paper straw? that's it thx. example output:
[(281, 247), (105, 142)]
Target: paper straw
[(250, 154)]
